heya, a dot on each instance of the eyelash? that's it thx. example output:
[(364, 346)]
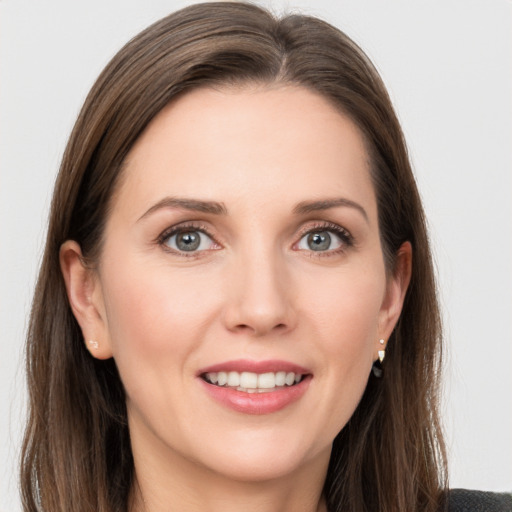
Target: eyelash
[(346, 238), (183, 228), (344, 235)]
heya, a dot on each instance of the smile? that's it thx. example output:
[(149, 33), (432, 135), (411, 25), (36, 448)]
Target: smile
[(255, 387), (250, 382)]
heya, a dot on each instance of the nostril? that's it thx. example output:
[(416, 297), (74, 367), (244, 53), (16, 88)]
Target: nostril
[(243, 327), (260, 329)]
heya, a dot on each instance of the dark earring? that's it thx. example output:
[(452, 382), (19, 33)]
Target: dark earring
[(377, 365)]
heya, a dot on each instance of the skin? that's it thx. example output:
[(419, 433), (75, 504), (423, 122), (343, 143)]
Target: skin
[(255, 290)]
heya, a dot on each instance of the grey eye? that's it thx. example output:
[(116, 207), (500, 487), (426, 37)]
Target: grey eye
[(189, 241), (320, 241)]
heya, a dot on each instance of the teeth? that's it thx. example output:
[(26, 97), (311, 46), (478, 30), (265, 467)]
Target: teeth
[(290, 379), (281, 378), (233, 379), (267, 380), (248, 380), (254, 390), (253, 382)]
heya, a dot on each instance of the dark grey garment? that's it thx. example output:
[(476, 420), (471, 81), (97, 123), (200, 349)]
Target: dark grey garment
[(462, 500)]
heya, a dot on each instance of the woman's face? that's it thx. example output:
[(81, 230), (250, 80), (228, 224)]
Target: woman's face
[(243, 245)]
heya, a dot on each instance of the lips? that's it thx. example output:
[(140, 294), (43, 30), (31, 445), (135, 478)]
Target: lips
[(255, 387), (247, 365)]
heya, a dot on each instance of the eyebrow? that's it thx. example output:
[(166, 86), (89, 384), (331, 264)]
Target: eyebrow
[(306, 207), (216, 208), (195, 205)]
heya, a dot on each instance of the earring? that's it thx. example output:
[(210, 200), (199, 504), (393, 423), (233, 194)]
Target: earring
[(382, 353), (94, 344), (377, 365)]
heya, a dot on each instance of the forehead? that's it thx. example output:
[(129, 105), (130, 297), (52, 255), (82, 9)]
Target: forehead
[(250, 143)]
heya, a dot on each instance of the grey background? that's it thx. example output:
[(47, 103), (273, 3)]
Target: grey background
[(448, 66)]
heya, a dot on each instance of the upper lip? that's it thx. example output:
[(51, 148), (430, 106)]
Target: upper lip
[(248, 365)]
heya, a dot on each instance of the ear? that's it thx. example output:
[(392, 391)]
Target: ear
[(86, 299), (396, 289)]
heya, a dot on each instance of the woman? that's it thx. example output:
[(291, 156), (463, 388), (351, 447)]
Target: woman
[(236, 306)]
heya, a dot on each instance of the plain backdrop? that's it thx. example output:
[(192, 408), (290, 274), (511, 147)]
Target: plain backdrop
[(448, 66)]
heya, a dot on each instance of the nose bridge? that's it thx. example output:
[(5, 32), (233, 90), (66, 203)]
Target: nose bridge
[(259, 291)]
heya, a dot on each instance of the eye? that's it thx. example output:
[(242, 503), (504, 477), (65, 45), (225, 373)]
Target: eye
[(324, 240), (189, 240), (320, 241)]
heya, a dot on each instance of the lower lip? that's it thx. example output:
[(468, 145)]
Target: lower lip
[(257, 403)]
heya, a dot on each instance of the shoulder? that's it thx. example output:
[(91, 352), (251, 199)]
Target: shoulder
[(464, 500)]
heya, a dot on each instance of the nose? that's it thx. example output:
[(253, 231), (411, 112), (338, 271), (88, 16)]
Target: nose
[(259, 294)]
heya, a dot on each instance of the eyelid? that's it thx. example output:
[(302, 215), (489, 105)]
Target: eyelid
[(326, 226), (181, 228), (341, 232)]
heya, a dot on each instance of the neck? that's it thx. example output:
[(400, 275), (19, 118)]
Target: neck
[(193, 488)]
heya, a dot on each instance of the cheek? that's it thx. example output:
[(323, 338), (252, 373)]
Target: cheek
[(153, 312), (344, 318), (346, 308), (341, 315)]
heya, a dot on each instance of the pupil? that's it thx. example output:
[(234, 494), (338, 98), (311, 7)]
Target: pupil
[(188, 241), (319, 241)]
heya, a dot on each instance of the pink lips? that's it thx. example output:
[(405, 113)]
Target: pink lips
[(256, 403), (246, 365)]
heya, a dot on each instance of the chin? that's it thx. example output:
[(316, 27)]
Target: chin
[(250, 470), (260, 462)]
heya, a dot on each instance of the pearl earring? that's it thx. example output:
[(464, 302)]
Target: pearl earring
[(94, 344), (382, 353)]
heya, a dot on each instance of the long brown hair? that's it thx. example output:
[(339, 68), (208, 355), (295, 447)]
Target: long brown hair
[(76, 453)]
